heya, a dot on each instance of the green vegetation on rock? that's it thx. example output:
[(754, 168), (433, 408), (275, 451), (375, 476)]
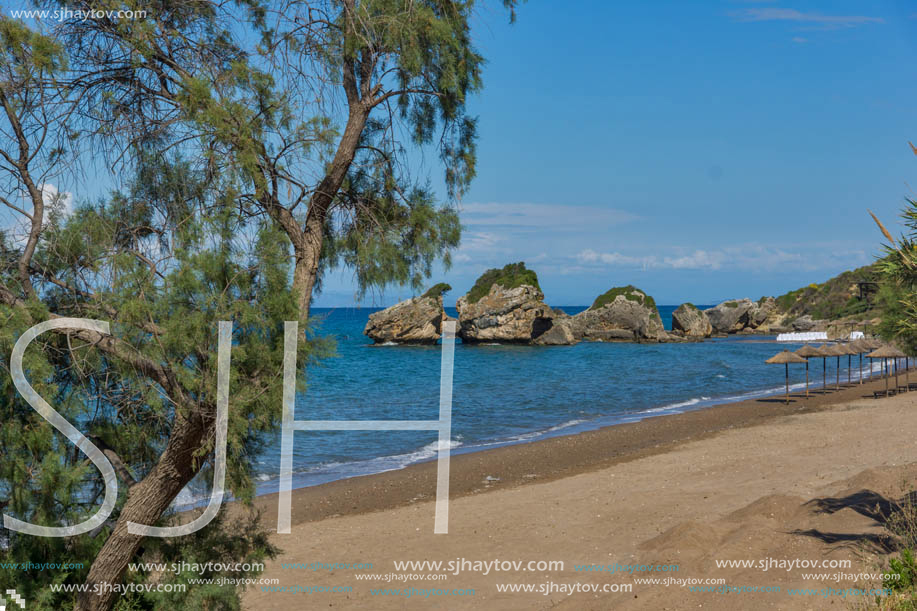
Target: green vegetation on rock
[(511, 276), (833, 299), (630, 292), (437, 290), (731, 304)]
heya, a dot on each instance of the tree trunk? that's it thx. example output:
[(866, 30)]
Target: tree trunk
[(309, 247), (145, 505)]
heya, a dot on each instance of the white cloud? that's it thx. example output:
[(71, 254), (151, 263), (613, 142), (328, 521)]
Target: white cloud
[(553, 216), (496, 233), (787, 14), (50, 194), (748, 257), (699, 259), (18, 227), (616, 259)]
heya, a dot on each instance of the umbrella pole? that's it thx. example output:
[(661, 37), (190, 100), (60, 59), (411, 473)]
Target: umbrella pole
[(837, 374), (787, 367), (807, 378), (896, 376), (886, 377), (824, 375), (861, 368), (907, 374), (848, 369)]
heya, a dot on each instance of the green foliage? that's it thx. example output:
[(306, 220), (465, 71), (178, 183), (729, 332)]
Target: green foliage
[(630, 292), (905, 566), (901, 524), (731, 304), (511, 276), (899, 296), (263, 100), (209, 268), (397, 241), (833, 299), (27, 52), (437, 290), (241, 542)]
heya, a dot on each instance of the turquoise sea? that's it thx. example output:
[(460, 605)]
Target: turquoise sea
[(507, 394)]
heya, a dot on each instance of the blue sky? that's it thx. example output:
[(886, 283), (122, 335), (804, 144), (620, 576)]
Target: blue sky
[(699, 150)]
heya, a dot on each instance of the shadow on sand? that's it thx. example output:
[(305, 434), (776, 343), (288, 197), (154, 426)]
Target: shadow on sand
[(866, 503)]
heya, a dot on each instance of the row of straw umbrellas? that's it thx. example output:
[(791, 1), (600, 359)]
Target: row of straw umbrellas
[(873, 349)]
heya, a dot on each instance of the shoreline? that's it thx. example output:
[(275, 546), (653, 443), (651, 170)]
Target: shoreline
[(550, 458), (561, 429), (749, 480)]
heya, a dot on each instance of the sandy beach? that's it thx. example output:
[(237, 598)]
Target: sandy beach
[(757, 480)]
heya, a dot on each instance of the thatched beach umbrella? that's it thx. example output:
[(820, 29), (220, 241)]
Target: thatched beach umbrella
[(785, 358), (808, 352), (859, 347), (825, 353), (885, 353), (870, 345), (849, 351), (835, 351)]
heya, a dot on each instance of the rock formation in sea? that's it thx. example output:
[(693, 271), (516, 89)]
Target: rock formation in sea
[(730, 316), (413, 321), (560, 333), (621, 314), (693, 323), (507, 306), (745, 316)]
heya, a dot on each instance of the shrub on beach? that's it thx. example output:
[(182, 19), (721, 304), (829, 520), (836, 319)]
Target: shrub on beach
[(901, 580)]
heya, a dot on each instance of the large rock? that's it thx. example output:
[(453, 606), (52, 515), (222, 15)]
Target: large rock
[(762, 312), (507, 306), (691, 321), (804, 323), (560, 333), (621, 314), (731, 316), (744, 316), (414, 321), (517, 315)]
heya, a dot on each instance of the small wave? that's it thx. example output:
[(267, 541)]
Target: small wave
[(331, 471), (528, 436), (565, 425), (675, 406)]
